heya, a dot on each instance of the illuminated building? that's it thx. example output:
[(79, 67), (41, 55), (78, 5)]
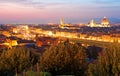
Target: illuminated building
[(46, 41), (13, 43), (62, 25), (24, 30), (10, 43), (67, 26), (15, 30), (105, 22), (92, 23)]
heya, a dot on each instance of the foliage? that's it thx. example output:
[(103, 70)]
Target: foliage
[(16, 60), (64, 58), (108, 63), (32, 73)]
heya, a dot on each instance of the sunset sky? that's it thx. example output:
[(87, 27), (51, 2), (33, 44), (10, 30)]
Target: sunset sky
[(45, 11)]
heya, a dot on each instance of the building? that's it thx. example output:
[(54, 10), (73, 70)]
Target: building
[(67, 26), (42, 41), (92, 23), (105, 22), (10, 43), (62, 25)]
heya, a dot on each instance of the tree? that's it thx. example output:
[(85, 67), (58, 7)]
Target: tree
[(16, 60), (108, 63), (64, 58)]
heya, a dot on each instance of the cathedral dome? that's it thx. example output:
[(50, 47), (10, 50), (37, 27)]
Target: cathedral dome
[(105, 21)]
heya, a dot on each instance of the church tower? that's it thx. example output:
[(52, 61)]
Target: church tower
[(61, 25), (92, 23), (61, 21)]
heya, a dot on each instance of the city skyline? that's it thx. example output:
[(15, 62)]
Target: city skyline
[(45, 11)]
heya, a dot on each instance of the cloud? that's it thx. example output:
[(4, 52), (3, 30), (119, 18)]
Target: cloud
[(12, 1), (35, 3), (106, 1), (107, 4)]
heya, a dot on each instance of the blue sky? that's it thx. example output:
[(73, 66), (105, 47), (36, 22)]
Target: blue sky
[(45, 11)]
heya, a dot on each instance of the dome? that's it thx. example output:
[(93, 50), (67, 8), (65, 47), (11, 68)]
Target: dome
[(105, 21)]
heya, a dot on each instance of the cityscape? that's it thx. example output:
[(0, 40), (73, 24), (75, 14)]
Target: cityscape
[(59, 38)]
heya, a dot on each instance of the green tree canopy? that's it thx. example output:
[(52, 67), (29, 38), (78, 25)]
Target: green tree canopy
[(16, 60), (108, 63), (64, 58)]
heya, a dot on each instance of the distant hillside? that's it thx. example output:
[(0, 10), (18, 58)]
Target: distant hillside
[(114, 20)]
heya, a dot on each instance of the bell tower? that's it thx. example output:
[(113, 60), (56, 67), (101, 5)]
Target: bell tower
[(61, 23)]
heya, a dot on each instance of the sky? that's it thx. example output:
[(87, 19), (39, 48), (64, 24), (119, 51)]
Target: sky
[(50, 11)]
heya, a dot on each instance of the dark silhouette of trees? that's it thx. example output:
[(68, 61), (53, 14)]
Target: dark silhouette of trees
[(65, 58), (93, 52)]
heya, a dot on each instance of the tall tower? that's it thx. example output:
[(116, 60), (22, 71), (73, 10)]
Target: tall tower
[(92, 23), (61, 21), (61, 25)]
